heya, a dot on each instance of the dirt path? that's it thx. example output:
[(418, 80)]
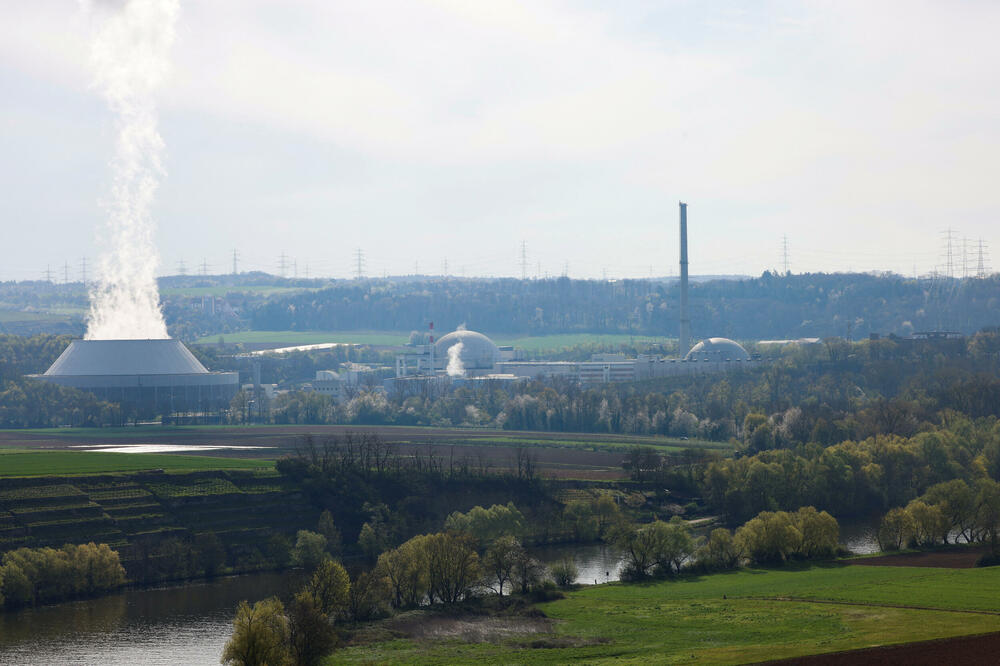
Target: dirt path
[(869, 604)]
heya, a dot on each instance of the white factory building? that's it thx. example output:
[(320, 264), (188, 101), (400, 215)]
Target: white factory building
[(468, 354)]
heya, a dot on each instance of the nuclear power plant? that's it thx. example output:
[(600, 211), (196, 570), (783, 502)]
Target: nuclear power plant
[(157, 377), (471, 355), (150, 377)]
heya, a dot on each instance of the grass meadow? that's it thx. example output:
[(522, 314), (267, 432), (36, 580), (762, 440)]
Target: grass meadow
[(295, 338), (729, 618), (222, 290)]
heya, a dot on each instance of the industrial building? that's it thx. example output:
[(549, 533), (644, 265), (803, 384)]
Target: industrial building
[(478, 356), (151, 377)]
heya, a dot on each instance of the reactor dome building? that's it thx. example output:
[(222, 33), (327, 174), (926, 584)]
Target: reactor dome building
[(478, 353), (718, 349), (154, 377)]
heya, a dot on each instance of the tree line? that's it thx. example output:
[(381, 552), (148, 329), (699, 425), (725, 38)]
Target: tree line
[(951, 511), (854, 478), (31, 576), (767, 307), (479, 554)]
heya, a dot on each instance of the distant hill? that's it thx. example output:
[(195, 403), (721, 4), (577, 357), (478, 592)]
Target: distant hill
[(770, 306)]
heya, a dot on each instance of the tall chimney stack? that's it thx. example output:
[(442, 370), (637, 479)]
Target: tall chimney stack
[(684, 344)]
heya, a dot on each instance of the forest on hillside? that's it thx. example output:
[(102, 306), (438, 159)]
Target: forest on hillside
[(772, 306)]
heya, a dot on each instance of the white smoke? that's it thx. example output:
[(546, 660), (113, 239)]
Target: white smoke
[(129, 54), (455, 366)]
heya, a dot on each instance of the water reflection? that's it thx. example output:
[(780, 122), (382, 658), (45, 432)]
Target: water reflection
[(172, 625), (860, 536), (595, 563)]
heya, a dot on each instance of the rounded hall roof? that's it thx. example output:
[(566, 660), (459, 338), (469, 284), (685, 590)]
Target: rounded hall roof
[(717, 349), (478, 351)]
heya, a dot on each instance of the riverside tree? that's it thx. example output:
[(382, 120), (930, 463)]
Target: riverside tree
[(330, 587), (260, 635), (500, 562)]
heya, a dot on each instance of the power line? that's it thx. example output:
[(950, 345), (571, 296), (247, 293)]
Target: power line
[(65, 272), (359, 258), (965, 257), (524, 260), (949, 252), (982, 265), (784, 253), (235, 260), (282, 263), (83, 271), (204, 267), (48, 273)]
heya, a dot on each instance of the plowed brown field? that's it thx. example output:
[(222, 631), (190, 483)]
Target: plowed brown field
[(979, 649)]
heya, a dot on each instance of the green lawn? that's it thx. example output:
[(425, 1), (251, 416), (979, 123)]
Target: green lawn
[(541, 343), (15, 462), (222, 290), (766, 614), (13, 316), (293, 338)]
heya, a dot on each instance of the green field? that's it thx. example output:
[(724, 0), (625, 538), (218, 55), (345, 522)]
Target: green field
[(125, 432), (593, 441), (12, 316), (737, 617), (293, 338), (661, 444), (537, 343), (43, 463), (540, 343), (222, 290)]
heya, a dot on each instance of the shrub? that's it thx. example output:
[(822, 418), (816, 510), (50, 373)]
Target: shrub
[(564, 572)]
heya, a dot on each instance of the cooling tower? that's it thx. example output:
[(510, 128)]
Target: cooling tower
[(153, 376)]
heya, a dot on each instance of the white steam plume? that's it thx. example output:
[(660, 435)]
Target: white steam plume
[(455, 366), (129, 54)]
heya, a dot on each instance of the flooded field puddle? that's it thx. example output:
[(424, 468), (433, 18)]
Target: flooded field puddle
[(163, 448)]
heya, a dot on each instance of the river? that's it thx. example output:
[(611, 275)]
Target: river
[(186, 624), (190, 624), (183, 624)]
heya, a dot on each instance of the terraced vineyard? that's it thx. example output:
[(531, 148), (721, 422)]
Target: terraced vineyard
[(242, 507)]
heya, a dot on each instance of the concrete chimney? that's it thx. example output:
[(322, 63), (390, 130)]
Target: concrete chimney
[(684, 343)]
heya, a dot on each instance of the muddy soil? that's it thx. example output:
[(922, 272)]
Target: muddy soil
[(979, 649)]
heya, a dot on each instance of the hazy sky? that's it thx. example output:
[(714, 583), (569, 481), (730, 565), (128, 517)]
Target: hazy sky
[(432, 131)]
